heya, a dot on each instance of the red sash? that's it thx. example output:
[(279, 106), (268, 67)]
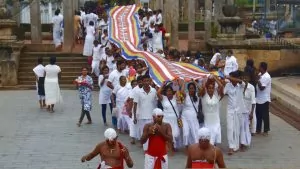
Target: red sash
[(121, 158), (203, 165), (157, 148)]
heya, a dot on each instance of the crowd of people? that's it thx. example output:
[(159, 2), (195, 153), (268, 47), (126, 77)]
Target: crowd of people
[(179, 114)]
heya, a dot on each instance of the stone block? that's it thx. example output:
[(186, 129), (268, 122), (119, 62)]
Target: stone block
[(264, 55), (9, 73), (5, 31), (39, 48), (196, 45)]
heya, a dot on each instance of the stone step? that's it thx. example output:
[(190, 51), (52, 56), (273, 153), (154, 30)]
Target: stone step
[(285, 100), (60, 64), (63, 69), (61, 81), (30, 73), (286, 90), (33, 87)]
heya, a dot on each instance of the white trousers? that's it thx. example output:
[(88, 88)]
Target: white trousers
[(132, 129), (253, 123), (140, 127), (245, 135), (233, 130), (95, 67), (150, 161)]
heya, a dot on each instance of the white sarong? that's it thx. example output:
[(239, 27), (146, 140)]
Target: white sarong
[(245, 135), (233, 129), (150, 162)]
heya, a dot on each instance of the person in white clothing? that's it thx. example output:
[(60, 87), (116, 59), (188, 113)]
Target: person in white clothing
[(211, 97), (214, 62), (104, 93), (121, 92), (39, 72), (133, 127), (158, 17), (145, 101), (88, 43), (231, 64), (167, 97), (108, 59), (52, 90), (114, 76), (234, 89), (263, 98), (157, 40), (249, 115), (96, 58), (90, 17), (190, 112), (57, 29)]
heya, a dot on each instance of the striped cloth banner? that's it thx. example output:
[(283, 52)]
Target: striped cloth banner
[(124, 31)]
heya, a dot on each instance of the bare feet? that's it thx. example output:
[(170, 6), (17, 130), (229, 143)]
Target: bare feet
[(105, 124), (78, 124), (265, 134), (132, 141)]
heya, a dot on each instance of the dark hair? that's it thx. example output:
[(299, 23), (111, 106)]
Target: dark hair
[(139, 78), (105, 67), (96, 42), (236, 74), (57, 11), (195, 98), (146, 76), (250, 63), (121, 77), (263, 65), (91, 23), (105, 31), (84, 67), (133, 81), (230, 52), (119, 62), (166, 88), (40, 60), (52, 60)]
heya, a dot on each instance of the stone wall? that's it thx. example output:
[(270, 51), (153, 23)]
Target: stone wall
[(277, 60)]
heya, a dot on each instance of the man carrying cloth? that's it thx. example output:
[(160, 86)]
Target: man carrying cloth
[(158, 134), (112, 152)]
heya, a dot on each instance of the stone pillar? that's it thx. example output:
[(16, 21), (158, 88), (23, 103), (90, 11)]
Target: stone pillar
[(171, 17), (268, 5), (207, 23), (75, 5), (35, 21), (68, 25), (16, 11), (191, 19), (137, 2)]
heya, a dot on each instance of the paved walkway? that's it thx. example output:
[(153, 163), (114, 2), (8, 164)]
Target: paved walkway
[(34, 139)]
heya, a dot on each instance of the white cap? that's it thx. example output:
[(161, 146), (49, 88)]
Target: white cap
[(157, 112), (110, 134), (204, 133)]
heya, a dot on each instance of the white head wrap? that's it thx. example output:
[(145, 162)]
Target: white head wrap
[(204, 133), (110, 134), (157, 112)]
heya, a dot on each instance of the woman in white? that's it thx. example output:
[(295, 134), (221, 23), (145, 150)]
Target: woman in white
[(105, 93), (89, 40), (167, 97), (96, 58), (57, 29), (157, 41), (122, 93), (189, 114), (52, 90), (211, 97)]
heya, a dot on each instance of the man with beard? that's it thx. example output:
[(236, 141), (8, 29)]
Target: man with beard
[(112, 152), (158, 134)]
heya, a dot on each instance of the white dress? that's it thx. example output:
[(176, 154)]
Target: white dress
[(89, 41), (122, 94), (190, 121), (96, 60), (105, 92), (52, 90), (57, 30), (211, 111), (170, 117)]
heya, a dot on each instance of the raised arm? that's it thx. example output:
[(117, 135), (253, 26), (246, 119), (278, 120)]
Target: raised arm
[(220, 86)]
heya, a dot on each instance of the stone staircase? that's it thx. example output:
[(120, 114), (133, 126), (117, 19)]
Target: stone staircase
[(70, 65)]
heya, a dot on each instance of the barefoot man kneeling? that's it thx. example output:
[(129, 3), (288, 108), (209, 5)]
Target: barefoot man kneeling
[(203, 154), (112, 152), (158, 134)]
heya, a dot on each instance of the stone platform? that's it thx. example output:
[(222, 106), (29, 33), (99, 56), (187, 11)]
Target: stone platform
[(286, 90), (34, 139)]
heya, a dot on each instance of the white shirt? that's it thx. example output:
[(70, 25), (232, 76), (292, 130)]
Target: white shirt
[(264, 96), (90, 17), (159, 19), (97, 53), (39, 70), (52, 72), (109, 61), (249, 97), (231, 65), (213, 60), (157, 41), (57, 21), (146, 102), (146, 22), (114, 77), (234, 97), (103, 25), (104, 40)]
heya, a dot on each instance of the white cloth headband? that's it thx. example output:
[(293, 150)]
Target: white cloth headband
[(110, 134), (157, 112), (204, 133)]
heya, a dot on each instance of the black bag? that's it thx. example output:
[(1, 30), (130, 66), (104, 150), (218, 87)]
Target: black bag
[(179, 120), (159, 105), (200, 115)]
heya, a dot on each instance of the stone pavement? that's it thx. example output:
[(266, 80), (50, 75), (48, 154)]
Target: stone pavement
[(31, 138)]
